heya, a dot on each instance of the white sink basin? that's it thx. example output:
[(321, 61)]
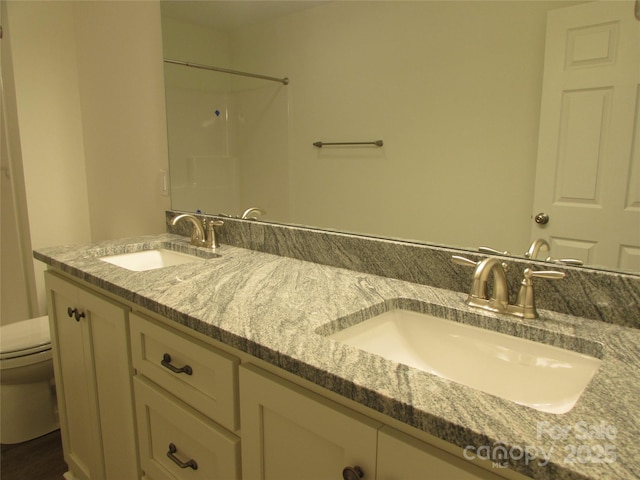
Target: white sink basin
[(547, 378), (151, 259)]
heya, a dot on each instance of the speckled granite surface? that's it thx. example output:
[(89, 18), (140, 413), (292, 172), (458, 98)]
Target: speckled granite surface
[(277, 309), (601, 295)]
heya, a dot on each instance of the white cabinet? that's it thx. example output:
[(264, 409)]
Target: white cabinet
[(89, 336), (186, 401), (402, 457), (193, 402), (290, 433)]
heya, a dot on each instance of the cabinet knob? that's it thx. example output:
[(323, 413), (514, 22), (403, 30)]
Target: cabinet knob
[(352, 473), (188, 464), (166, 362), (73, 312)]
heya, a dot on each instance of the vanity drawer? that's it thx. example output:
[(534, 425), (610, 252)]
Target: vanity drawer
[(197, 373), (177, 442)]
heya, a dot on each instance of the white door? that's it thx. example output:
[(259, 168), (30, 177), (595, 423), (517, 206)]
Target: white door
[(588, 167)]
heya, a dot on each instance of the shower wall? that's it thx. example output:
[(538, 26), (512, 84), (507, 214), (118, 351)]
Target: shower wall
[(260, 136), (203, 171), (228, 135)]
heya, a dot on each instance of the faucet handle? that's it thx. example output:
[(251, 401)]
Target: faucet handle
[(493, 251), (565, 261), (211, 241), (464, 261), (525, 306), (215, 223), (548, 274)]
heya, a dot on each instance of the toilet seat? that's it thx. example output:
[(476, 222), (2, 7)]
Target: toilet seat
[(24, 338)]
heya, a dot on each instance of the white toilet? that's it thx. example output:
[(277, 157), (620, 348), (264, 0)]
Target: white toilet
[(27, 389)]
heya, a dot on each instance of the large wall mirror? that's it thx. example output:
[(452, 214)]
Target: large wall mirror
[(489, 112)]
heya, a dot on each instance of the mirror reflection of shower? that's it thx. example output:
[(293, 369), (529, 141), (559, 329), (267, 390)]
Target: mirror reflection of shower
[(228, 139)]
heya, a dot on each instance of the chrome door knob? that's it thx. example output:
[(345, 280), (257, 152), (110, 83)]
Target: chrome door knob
[(541, 218)]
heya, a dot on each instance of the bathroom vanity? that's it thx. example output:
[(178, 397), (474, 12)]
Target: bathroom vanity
[(223, 368)]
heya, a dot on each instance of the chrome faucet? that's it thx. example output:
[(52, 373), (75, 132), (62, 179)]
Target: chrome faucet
[(532, 253), (202, 234), (252, 210), (478, 294), (246, 213), (535, 247), (540, 244), (524, 307)]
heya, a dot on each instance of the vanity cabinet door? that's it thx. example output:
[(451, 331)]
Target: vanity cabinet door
[(177, 442), (75, 382), (291, 433), (403, 457), (89, 336)]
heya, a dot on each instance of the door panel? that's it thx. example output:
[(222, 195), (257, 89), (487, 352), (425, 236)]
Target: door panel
[(171, 431), (401, 457), (291, 433), (587, 176), (108, 326), (76, 382)]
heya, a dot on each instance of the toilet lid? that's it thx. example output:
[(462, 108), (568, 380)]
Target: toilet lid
[(25, 337)]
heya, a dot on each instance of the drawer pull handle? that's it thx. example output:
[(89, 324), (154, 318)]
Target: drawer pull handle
[(188, 464), (166, 362)]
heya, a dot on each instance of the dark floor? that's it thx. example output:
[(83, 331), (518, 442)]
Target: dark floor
[(37, 459)]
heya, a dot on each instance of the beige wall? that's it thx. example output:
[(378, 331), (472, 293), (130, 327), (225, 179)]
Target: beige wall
[(90, 108), (453, 89), (119, 47)]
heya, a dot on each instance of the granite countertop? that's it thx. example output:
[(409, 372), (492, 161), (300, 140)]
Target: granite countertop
[(280, 309)]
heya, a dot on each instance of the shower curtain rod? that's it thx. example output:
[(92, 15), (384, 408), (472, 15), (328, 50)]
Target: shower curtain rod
[(284, 81)]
